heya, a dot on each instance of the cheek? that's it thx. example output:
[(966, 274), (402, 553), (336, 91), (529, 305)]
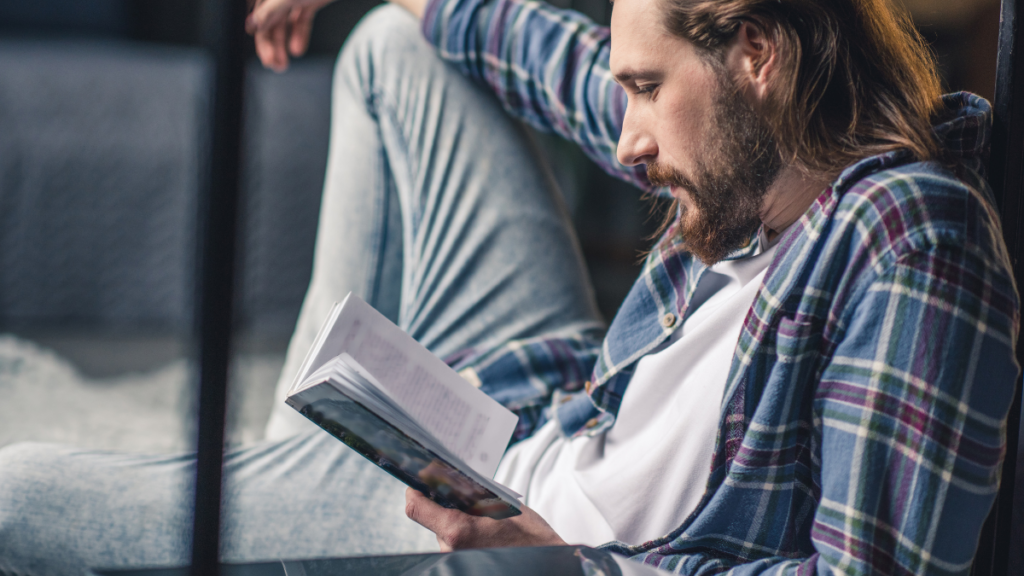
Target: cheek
[(680, 137), (697, 142), (687, 113)]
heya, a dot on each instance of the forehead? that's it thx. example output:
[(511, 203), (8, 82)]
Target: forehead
[(639, 37)]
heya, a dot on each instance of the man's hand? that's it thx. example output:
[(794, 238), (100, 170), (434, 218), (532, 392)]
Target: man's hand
[(456, 530), (281, 28)]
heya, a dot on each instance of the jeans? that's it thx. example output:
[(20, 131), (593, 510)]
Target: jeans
[(437, 210)]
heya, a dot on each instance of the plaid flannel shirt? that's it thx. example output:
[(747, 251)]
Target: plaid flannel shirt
[(863, 423)]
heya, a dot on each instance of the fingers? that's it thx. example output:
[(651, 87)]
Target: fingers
[(270, 48), (423, 510), (302, 28), (264, 48), (281, 28), (453, 528), (268, 14), (270, 40), (278, 36), (456, 530)]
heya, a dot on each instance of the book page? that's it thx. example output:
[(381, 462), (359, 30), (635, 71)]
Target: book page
[(319, 353), (468, 422)]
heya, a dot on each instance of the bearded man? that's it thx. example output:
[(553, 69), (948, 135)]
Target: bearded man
[(811, 374)]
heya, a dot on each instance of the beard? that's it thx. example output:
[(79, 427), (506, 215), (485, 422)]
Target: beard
[(731, 177)]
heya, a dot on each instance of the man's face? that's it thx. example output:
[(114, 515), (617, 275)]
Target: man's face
[(688, 122)]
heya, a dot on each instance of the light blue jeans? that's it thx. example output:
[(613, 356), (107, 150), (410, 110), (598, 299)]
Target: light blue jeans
[(438, 210)]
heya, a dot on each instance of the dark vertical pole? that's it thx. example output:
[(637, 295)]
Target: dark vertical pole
[(1005, 174), (223, 34)]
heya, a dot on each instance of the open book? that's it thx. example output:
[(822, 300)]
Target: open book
[(370, 385)]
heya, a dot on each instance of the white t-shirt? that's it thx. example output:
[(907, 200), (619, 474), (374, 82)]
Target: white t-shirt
[(642, 477)]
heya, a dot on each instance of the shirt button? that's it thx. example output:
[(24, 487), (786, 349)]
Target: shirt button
[(592, 423), (668, 320), (587, 386)]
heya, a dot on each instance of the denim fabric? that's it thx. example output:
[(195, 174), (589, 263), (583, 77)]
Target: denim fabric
[(438, 211), (437, 208)]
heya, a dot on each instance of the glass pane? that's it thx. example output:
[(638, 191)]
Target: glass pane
[(99, 175), (102, 119)]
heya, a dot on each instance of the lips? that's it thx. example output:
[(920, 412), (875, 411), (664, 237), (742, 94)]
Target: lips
[(680, 193)]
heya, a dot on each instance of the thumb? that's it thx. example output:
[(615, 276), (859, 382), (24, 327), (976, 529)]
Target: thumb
[(426, 512)]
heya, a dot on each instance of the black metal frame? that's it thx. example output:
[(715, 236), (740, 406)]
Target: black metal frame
[(224, 37), (1006, 174), (217, 216)]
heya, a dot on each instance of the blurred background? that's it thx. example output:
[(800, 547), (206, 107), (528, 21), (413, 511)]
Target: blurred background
[(102, 111)]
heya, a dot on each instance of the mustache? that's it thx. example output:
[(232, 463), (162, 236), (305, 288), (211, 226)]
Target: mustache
[(662, 175)]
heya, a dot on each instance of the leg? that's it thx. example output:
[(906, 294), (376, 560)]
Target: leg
[(436, 210), (63, 510), (486, 254)]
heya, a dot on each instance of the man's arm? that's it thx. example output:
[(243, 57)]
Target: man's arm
[(913, 409), (547, 66)]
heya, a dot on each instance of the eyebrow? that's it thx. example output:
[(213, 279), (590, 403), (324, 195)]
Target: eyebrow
[(631, 74)]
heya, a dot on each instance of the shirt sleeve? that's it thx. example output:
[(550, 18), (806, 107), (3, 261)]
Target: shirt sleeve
[(911, 412), (523, 375), (547, 66)]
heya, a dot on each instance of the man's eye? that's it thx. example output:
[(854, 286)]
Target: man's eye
[(646, 89)]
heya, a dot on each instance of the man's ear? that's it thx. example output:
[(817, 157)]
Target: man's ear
[(752, 59)]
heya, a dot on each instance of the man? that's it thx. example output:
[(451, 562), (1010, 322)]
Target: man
[(812, 119), (849, 248)]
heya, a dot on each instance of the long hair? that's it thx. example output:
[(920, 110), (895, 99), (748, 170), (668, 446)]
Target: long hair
[(854, 78)]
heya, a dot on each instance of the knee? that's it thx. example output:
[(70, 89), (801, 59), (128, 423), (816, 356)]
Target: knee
[(387, 39), (385, 26)]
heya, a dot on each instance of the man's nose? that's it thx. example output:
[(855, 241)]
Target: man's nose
[(636, 145)]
